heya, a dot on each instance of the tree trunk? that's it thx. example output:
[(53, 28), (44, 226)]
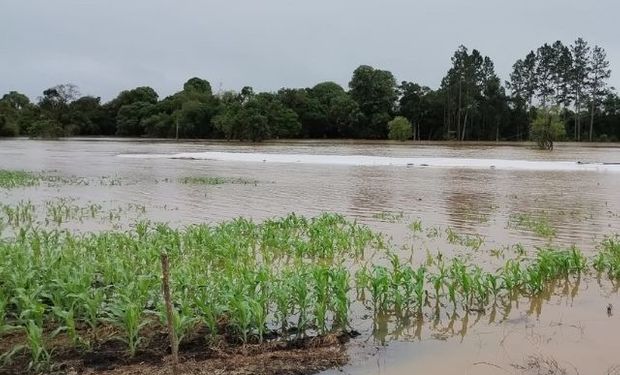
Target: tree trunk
[(464, 125), (497, 132), (576, 115), (591, 122), (458, 118), (579, 125)]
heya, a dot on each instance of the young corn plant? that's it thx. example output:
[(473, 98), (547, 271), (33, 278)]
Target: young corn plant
[(397, 279), (379, 288), (40, 358), (209, 310), (5, 327), (241, 316), (416, 226), (301, 298), (419, 289), (183, 320), (259, 310), (321, 297), (128, 315), (281, 294), (91, 302), (29, 305), (608, 257), (68, 320), (340, 291)]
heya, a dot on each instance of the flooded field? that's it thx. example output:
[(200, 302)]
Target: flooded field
[(483, 204)]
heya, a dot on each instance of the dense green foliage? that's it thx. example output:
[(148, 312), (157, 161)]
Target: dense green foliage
[(400, 129), (547, 128), (10, 179), (238, 278), (471, 103)]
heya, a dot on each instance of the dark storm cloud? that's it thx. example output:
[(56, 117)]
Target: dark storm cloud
[(107, 46)]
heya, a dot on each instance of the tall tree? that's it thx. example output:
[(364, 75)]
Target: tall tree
[(414, 105), (561, 69), (55, 120), (13, 107), (579, 80), (374, 91), (464, 86), (130, 118), (523, 79), (546, 73), (256, 117), (86, 115), (599, 74)]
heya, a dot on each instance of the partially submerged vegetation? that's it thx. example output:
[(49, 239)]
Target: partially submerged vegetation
[(216, 180), (539, 224), (68, 296), (388, 216), (547, 128), (10, 179), (607, 259)]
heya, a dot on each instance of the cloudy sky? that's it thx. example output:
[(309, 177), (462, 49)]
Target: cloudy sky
[(105, 46)]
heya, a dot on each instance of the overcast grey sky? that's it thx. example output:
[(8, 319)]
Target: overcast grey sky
[(106, 46)]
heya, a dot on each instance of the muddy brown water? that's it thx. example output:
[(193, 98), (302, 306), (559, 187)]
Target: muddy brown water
[(569, 324)]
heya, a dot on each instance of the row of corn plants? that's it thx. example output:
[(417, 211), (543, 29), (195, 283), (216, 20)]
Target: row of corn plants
[(283, 278), (395, 287), (60, 211)]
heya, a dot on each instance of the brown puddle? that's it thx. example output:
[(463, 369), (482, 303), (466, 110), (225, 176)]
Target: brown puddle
[(565, 331)]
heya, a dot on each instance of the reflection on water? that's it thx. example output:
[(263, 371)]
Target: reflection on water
[(467, 207), (443, 323), (561, 325), (567, 321)]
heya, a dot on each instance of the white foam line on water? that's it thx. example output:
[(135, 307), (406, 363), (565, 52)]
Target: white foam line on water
[(366, 160)]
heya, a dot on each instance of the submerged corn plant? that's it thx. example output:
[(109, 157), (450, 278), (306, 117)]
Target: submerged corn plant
[(416, 226), (10, 179), (215, 180), (537, 224), (608, 258)]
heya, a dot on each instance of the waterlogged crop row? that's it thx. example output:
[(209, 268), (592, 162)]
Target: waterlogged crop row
[(58, 212), (401, 291), (460, 284), (282, 278)]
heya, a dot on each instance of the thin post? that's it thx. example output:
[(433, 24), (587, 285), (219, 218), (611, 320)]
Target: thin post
[(174, 342)]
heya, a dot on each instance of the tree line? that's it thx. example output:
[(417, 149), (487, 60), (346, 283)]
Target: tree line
[(471, 103)]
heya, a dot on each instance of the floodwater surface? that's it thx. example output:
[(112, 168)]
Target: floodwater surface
[(479, 190)]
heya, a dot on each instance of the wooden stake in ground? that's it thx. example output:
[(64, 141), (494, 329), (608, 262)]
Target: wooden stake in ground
[(174, 342)]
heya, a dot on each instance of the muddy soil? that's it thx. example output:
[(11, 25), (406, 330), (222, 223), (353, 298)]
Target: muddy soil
[(300, 356)]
